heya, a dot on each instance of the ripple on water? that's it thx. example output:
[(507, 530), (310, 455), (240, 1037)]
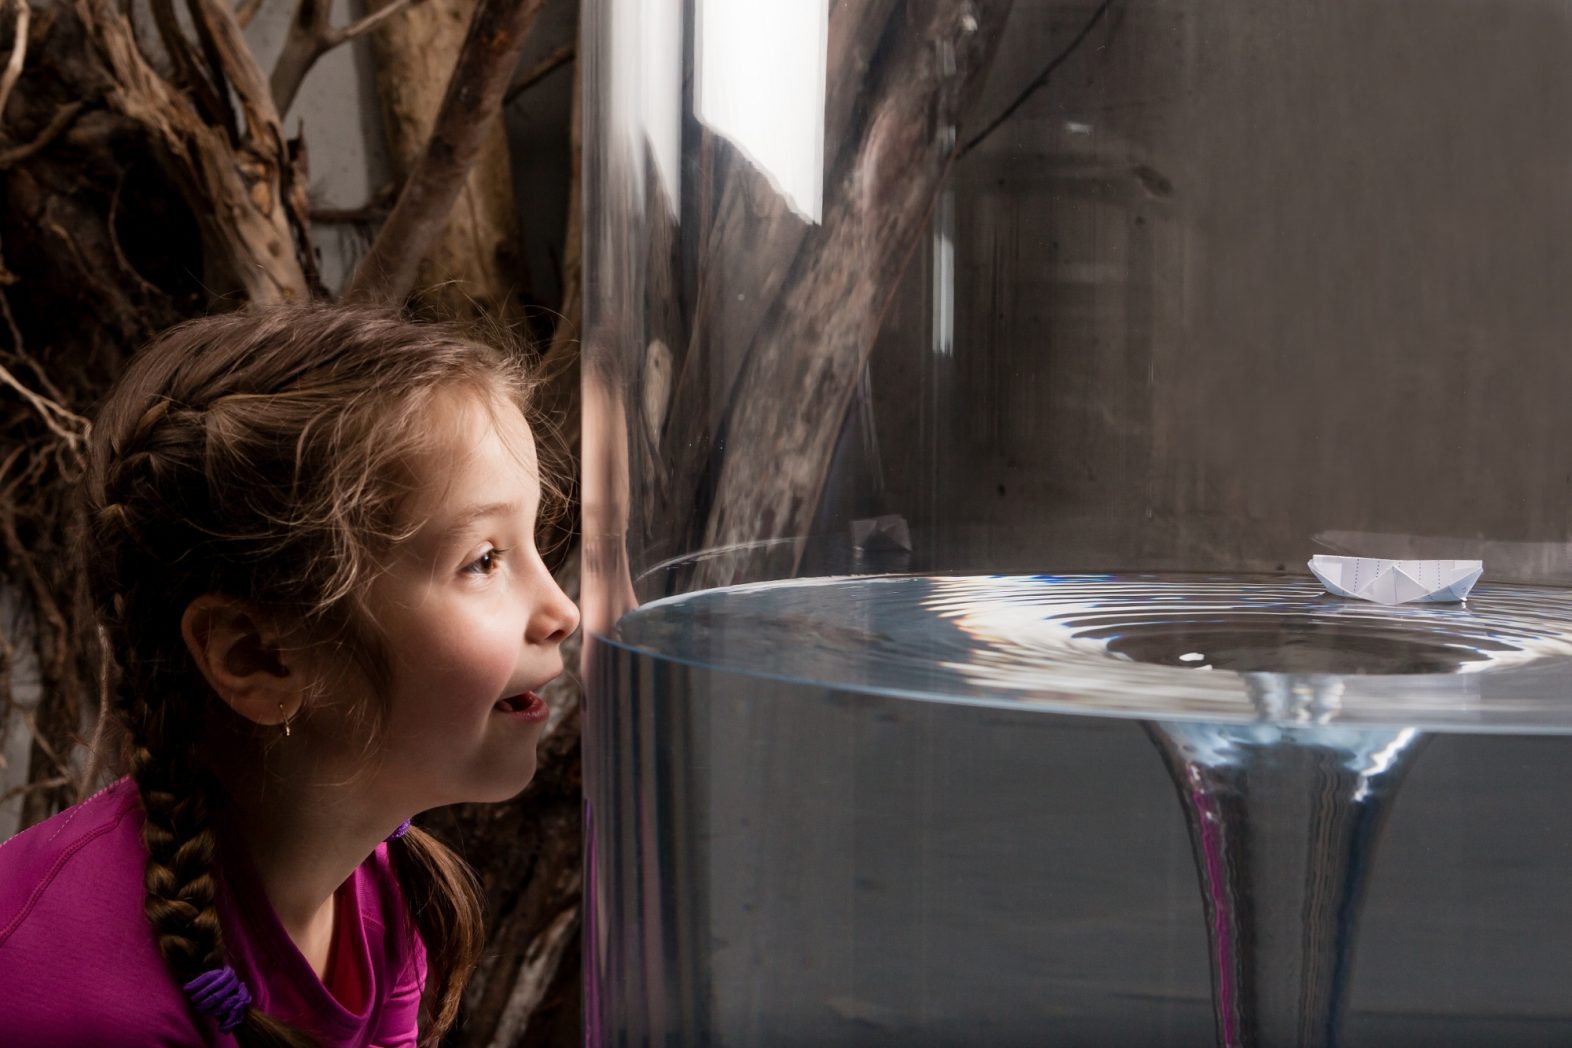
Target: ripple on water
[(1160, 646)]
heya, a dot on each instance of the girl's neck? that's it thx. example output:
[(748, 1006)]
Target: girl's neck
[(303, 839), (315, 941)]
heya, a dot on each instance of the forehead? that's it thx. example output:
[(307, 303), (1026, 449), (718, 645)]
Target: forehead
[(477, 446)]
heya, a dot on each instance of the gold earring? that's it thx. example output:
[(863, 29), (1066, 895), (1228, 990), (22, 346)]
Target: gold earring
[(281, 713)]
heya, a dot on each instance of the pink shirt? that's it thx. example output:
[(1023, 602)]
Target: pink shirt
[(78, 964)]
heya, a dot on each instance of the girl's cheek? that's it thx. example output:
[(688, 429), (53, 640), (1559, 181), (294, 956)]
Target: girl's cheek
[(493, 651)]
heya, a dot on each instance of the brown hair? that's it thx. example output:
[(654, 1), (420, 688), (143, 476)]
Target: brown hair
[(260, 454)]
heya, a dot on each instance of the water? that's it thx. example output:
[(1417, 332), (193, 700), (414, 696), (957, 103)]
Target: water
[(1094, 809)]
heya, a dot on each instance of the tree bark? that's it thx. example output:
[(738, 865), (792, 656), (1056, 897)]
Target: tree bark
[(241, 189), (469, 264), (900, 78), (312, 34)]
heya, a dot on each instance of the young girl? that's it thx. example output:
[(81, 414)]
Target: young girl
[(311, 545)]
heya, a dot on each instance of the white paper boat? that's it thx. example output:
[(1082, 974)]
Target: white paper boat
[(1397, 581)]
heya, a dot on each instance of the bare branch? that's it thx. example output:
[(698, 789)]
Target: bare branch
[(246, 11), (103, 728), (296, 178), (204, 93), (30, 718), (29, 787), (112, 227), (238, 67), (350, 215), (1040, 79), (217, 68), (5, 471), (312, 35), (542, 958), (63, 423), (13, 66), (373, 210), (371, 21), (41, 376), (539, 71), (306, 41), (58, 122), (473, 100)]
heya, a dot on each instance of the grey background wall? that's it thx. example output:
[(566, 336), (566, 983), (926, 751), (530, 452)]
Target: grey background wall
[(1244, 280)]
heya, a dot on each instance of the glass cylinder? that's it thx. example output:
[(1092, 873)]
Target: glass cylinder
[(968, 386)]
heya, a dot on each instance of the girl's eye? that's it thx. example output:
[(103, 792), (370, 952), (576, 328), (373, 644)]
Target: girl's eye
[(486, 563)]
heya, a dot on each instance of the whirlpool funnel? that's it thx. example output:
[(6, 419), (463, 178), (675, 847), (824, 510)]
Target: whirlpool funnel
[(968, 386)]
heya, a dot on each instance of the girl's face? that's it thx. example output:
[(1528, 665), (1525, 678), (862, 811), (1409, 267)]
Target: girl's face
[(473, 621)]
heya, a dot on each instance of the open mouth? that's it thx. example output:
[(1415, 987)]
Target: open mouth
[(527, 705)]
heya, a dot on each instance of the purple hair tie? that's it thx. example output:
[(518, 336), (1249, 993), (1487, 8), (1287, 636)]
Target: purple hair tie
[(219, 994), (403, 828)]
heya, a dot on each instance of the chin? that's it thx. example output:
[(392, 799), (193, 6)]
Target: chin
[(496, 792)]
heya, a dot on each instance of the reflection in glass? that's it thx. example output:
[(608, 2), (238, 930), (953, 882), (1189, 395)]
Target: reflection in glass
[(1284, 820), (760, 74)]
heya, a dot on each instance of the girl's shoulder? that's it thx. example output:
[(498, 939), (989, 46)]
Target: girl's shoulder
[(76, 952), (69, 853)]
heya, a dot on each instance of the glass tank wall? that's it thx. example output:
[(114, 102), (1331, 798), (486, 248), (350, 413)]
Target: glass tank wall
[(966, 385)]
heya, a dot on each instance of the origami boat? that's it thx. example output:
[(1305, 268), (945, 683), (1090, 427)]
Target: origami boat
[(1397, 581)]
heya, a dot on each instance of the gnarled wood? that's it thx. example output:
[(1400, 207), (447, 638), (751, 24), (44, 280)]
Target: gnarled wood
[(454, 233), (249, 244), (312, 34)]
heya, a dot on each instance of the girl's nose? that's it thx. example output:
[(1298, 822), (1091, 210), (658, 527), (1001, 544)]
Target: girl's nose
[(555, 616)]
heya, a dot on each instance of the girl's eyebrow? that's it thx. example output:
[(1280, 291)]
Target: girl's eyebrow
[(467, 519)]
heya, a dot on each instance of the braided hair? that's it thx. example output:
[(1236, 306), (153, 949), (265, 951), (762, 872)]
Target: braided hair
[(258, 454)]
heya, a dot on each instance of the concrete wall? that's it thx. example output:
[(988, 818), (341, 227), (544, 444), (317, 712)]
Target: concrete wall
[(1243, 275)]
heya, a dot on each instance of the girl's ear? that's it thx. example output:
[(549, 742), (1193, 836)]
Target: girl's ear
[(243, 661)]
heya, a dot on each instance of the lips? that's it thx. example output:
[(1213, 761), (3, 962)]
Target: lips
[(527, 706)]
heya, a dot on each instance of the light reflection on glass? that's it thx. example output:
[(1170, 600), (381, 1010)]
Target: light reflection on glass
[(944, 276), (760, 71), (646, 52)]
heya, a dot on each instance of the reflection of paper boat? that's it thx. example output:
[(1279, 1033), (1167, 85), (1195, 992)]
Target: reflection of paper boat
[(882, 534), (1397, 581)]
